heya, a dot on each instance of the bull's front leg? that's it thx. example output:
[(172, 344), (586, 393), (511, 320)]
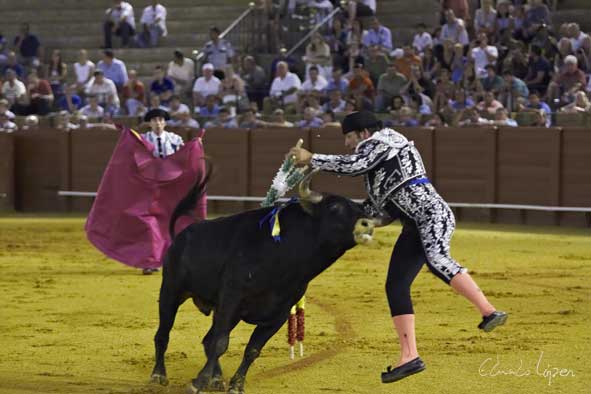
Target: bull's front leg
[(258, 339)]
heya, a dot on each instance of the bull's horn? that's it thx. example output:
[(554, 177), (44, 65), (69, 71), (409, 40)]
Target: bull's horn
[(304, 189), (382, 221)]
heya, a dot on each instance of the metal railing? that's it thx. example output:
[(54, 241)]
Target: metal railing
[(323, 23)]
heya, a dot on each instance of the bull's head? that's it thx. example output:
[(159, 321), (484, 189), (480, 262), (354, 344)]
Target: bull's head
[(344, 218)]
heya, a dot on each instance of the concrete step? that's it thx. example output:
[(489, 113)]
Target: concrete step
[(574, 5), (407, 7), (55, 15), (132, 55), (95, 41), (36, 5), (582, 17), (395, 20)]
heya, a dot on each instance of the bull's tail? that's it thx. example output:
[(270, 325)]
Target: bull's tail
[(187, 204)]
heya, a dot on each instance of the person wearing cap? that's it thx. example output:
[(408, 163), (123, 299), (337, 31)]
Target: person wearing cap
[(397, 186), (206, 85), (165, 143)]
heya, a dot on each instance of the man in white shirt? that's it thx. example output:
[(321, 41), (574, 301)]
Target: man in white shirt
[(6, 125), (92, 109), (315, 81), (120, 20), (105, 91), (4, 105), (153, 22), (454, 29), (422, 39), (182, 71), (13, 89), (83, 69), (483, 55), (206, 85), (177, 111), (284, 89)]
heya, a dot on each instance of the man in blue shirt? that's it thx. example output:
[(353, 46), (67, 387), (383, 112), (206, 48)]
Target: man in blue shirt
[(218, 51), (113, 69), (12, 64), (28, 47), (162, 86), (338, 82), (512, 90), (310, 119), (536, 104), (379, 36), (70, 102)]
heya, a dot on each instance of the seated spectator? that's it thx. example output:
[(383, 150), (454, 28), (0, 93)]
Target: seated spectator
[(460, 101), (28, 47), (337, 42), (444, 90), (471, 117), (581, 104), (338, 81), (422, 39), (350, 106), (311, 100), (218, 51), (113, 69), (454, 29), (133, 94), (120, 20), (460, 8), (282, 57), (539, 70), (83, 69), (396, 105), (162, 86), (58, 72), (318, 55), (205, 85), (315, 82), (155, 103), (536, 104), (186, 121), (3, 49), (390, 84), (31, 123), (405, 63), (70, 101), (255, 80), (579, 39), (4, 109), (6, 125), (513, 89), (105, 91), (335, 103), (355, 39), (492, 81), (485, 19), (437, 120), (279, 119), (536, 15), (62, 122), (232, 92), (458, 64), (568, 82), (489, 105), (211, 107), (504, 21), (376, 64), (483, 55), (360, 8), (39, 94), (182, 71), (249, 120), (284, 89), (407, 117), (379, 36), (12, 64), (329, 120), (429, 65), (153, 22), (516, 61), (361, 86), (92, 109), (223, 120), (13, 90), (177, 111), (502, 118), (310, 120)]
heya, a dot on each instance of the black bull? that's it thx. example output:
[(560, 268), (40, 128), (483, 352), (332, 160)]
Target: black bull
[(233, 267)]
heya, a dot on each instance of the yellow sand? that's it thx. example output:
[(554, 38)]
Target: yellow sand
[(72, 321)]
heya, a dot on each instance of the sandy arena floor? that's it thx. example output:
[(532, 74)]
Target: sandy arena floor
[(73, 321)]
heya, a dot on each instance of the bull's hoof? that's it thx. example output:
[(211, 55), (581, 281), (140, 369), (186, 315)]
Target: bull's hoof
[(235, 391), (192, 389), (216, 384), (160, 379)]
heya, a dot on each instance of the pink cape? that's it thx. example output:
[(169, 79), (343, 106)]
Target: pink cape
[(129, 219)]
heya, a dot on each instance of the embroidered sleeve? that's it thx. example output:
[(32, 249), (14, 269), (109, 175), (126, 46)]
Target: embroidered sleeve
[(370, 209), (367, 157)]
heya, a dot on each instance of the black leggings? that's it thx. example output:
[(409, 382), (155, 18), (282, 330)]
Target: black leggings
[(406, 262)]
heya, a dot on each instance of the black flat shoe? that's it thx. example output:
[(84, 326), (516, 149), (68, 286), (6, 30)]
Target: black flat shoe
[(410, 368), (497, 318)]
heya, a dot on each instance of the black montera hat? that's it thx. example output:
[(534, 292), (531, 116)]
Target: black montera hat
[(358, 121), (156, 113)]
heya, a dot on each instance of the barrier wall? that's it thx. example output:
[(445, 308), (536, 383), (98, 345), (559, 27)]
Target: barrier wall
[(6, 172), (470, 165)]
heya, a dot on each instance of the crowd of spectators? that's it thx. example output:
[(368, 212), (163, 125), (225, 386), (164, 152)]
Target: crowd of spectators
[(478, 67)]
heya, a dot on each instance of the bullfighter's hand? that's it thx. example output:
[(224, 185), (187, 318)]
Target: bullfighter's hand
[(301, 156)]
